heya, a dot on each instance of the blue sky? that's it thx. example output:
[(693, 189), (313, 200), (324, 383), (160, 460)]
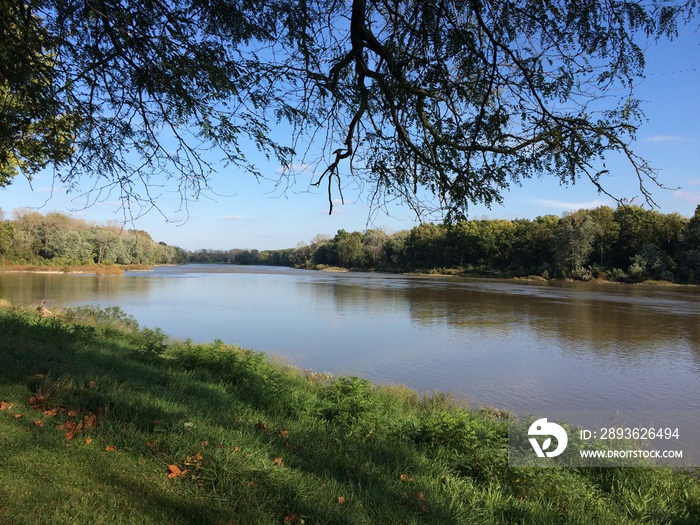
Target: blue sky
[(248, 213)]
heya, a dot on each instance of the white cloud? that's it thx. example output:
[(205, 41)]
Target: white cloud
[(687, 196), (572, 206), (292, 169), (234, 217), (49, 189), (665, 138)]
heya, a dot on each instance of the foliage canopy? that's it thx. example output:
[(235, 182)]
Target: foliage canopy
[(435, 104)]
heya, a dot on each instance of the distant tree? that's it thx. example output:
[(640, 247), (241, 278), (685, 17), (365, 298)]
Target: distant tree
[(574, 241), (7, 239), (373, 242), (636, 228), (426, 245), (689, 257), (348, 248), (395, 249), (607, 233), (71, 246), (537, 244)]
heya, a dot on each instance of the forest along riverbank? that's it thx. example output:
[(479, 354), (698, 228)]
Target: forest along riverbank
[(151, 431)]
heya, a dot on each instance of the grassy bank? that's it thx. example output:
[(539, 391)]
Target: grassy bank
[(104, 422), (95, 269)]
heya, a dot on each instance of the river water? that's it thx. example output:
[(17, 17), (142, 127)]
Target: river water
[(509, 344)]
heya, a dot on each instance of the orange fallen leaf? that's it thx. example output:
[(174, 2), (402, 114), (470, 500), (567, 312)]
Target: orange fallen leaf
[(3, 405), (69, 435), (405, 478), (69, 425), (90, 420), (284, 433), (88, 441), (91, 384), (423, 507), (278, 461), (17, 416), (340, 500), (420, 496), (150, 444), (73, 413), (51, 413), (38, 376), (205, 443), (194, 460), (38, 423), (175, 472), (260, 425), (292, 518), (110, 448)]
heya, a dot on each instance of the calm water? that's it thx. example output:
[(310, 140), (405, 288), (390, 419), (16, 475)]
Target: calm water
[(503, 343)]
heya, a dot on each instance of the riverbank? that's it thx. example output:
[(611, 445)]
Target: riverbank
[(104, 422), (86, 269)]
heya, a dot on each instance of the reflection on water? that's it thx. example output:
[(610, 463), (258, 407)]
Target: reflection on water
[(510, 344)]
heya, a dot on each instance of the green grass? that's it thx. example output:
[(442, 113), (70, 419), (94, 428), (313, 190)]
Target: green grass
[(97, 413)]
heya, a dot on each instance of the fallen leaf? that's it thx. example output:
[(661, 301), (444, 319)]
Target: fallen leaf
[(88, 441), (175, 472), (151, 444), (423, 507), (205, 443), (51, 413), (17, 416), (193, 460), (278, 461), (69, 425), (420, 496), (73, 413), (292, 518), (340, 500), (260, 425), (38, 376), (69, 435), (405, 478), (38, 423), (90, 420), (110, 448), (91, 384), (3, 405), (284, 433)]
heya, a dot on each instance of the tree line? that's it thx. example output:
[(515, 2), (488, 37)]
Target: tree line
[(629, 243), (57, 239)]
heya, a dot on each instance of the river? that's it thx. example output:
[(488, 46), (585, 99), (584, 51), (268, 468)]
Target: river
[(504, 343)]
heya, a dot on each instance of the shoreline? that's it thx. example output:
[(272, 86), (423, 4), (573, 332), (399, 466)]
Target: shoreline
[(117, 269), (77, 269)]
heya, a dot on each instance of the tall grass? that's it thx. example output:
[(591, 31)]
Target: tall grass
[(102, 421)]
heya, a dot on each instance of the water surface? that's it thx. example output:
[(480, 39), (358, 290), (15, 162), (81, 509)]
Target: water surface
[(505, 343)]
